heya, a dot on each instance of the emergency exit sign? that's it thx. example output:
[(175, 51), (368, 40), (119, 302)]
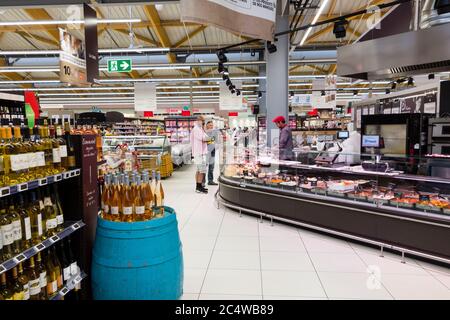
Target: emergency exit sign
[(120, 65)]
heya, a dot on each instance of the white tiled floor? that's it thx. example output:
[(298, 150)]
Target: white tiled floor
[(228, 257)]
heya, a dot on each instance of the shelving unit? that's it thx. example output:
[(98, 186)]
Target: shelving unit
[(28, 253), (69, 286), (178, 129)]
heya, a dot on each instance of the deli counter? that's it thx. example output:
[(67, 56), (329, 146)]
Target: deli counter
[(385, 208)]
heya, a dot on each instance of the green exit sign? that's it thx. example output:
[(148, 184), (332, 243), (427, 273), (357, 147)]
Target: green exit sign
[(120, 65)]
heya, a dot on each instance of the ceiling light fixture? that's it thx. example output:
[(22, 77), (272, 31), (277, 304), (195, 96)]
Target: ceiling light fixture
[(64, 22), (319, 12)]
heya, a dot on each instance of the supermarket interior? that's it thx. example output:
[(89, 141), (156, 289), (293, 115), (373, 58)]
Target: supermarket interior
[(224, 150)]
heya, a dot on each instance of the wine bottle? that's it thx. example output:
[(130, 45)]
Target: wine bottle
[(105, 198), (56, 154), (50, 215), (17, 227), (17, 287), (24, 281), (153, 183), (159, 196), (70, 163), (6, 227), (139, 202), (74, 269), (52, 277), (65, 263), (148, 197), (58, 210), (35, 213), (25, 221), (62, 146), (127, 196), (115, 201), (42, 272), (5, 291), (35, 284)]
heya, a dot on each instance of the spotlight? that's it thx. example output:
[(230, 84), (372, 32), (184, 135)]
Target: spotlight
[(355, 92), (225, 77), (271, 47), (291, 93), (228, 82), (233, 91), (388, 91), (431, 76), (252, 52), (339, 29), (394, 86), (232, 87), (221, 68), (410, 81), (222, 57), (323, 93), (238, 92), (259, 94), (225, 71)]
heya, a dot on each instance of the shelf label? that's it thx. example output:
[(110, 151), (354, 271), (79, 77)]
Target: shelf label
[(39, 247), (77, 279), (64, 291), (243, 185), (2, 268), (77, 172), (50, 179), (43, 182), (23, 187), (5, 191), (75, 226), (58, 177), (19, 258), (66, 175), (55, 239)]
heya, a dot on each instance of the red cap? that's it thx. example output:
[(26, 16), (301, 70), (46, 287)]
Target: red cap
[(279, 119)]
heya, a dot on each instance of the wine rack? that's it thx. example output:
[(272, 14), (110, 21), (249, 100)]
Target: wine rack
[(28, 253), (6, 191)]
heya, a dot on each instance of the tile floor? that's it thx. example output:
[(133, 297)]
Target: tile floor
[(228, 257)]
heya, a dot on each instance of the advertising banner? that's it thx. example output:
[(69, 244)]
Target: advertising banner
[(324, 94), (145, 96), (91, 37), (72, 59), (251, 18), (229, 101), (301, 100)]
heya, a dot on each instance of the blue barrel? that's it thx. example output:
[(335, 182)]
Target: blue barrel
[(138, 261)]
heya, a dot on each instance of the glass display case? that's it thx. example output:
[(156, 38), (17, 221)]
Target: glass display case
[(371, 201)]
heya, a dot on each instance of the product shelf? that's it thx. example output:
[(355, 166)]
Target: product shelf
[(30, 252), (69, 286), (34, 184)]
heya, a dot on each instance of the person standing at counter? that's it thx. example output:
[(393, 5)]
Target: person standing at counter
[(286, 144), (199, 140), (213, 135)]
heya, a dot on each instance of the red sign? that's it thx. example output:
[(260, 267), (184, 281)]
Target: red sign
[(148, 114), (185, 113), (233, 114), (30, 98)]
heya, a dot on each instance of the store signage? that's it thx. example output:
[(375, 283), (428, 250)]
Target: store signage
[(72, 59), (186, 113), (148, 114), (229, 101), (233, 114), (145, 97), (91, 39), (301, 100), (327, 86), (120, 65), (251, 18), (33, 109)]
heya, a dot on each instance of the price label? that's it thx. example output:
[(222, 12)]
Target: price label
[(66, 175), (2, 269), (78, 279), (64, 291), (50, 179), (243, 185), (39, 247), (77, 172), (58, 177), (23, 187), (43, 182), (55, 239), (5, 192), (19, 258), (75, 226)]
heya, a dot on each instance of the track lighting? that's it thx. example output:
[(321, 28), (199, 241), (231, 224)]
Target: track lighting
[(259, 94), (225, 77), (228, 82), (222, 57), (355, 92), (339, 29), (221, 67), (388, 91), (323, 93), (431, 76), (291, 93), (271, 47), (238, 92)]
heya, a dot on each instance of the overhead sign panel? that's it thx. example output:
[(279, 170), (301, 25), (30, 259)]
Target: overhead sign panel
[(120, 65), (252, 18), (145, 97)]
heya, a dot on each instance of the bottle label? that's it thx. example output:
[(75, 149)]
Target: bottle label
[(140, 210), (67, 273), (2, 168), (127, 210), (51, 224), (60, 219), (19, 295), (56, 155), (17, 230), (114, 210), (74, 268), (106, 209), (43, 279), (48, 202), (27, 224), (39, 158), (35, 287), (26, 292), (1, 240), (63, 151), (39, 223), (8, 234), (52, 287)]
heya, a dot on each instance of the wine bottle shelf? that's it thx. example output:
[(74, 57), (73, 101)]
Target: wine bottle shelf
[(70, 285), (27, 254), (6, 191)]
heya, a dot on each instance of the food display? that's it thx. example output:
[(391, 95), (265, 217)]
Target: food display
[(399, 194)]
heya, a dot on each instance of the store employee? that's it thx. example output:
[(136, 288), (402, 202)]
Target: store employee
[(285, 144)]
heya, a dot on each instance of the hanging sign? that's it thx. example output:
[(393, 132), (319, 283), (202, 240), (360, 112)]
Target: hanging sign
[(252, 18), (145, 96), (72, 59), (120, 65), (230, 101)]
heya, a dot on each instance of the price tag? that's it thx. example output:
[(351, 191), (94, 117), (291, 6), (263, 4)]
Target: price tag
[(72, 174), (77, 172), (75, 226), (64, 291), (2, 268), (58, 177), (5, 192), (19, 258), (50, 179), (77, 279), (43, 182), (242, 185), (23, 187), (55, 239), (39, 247), (66, 175)]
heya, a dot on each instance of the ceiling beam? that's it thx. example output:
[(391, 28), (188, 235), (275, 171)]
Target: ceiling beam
[(42, 14), (13, 76), (50, 42), (139, 37), (189, 36)]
